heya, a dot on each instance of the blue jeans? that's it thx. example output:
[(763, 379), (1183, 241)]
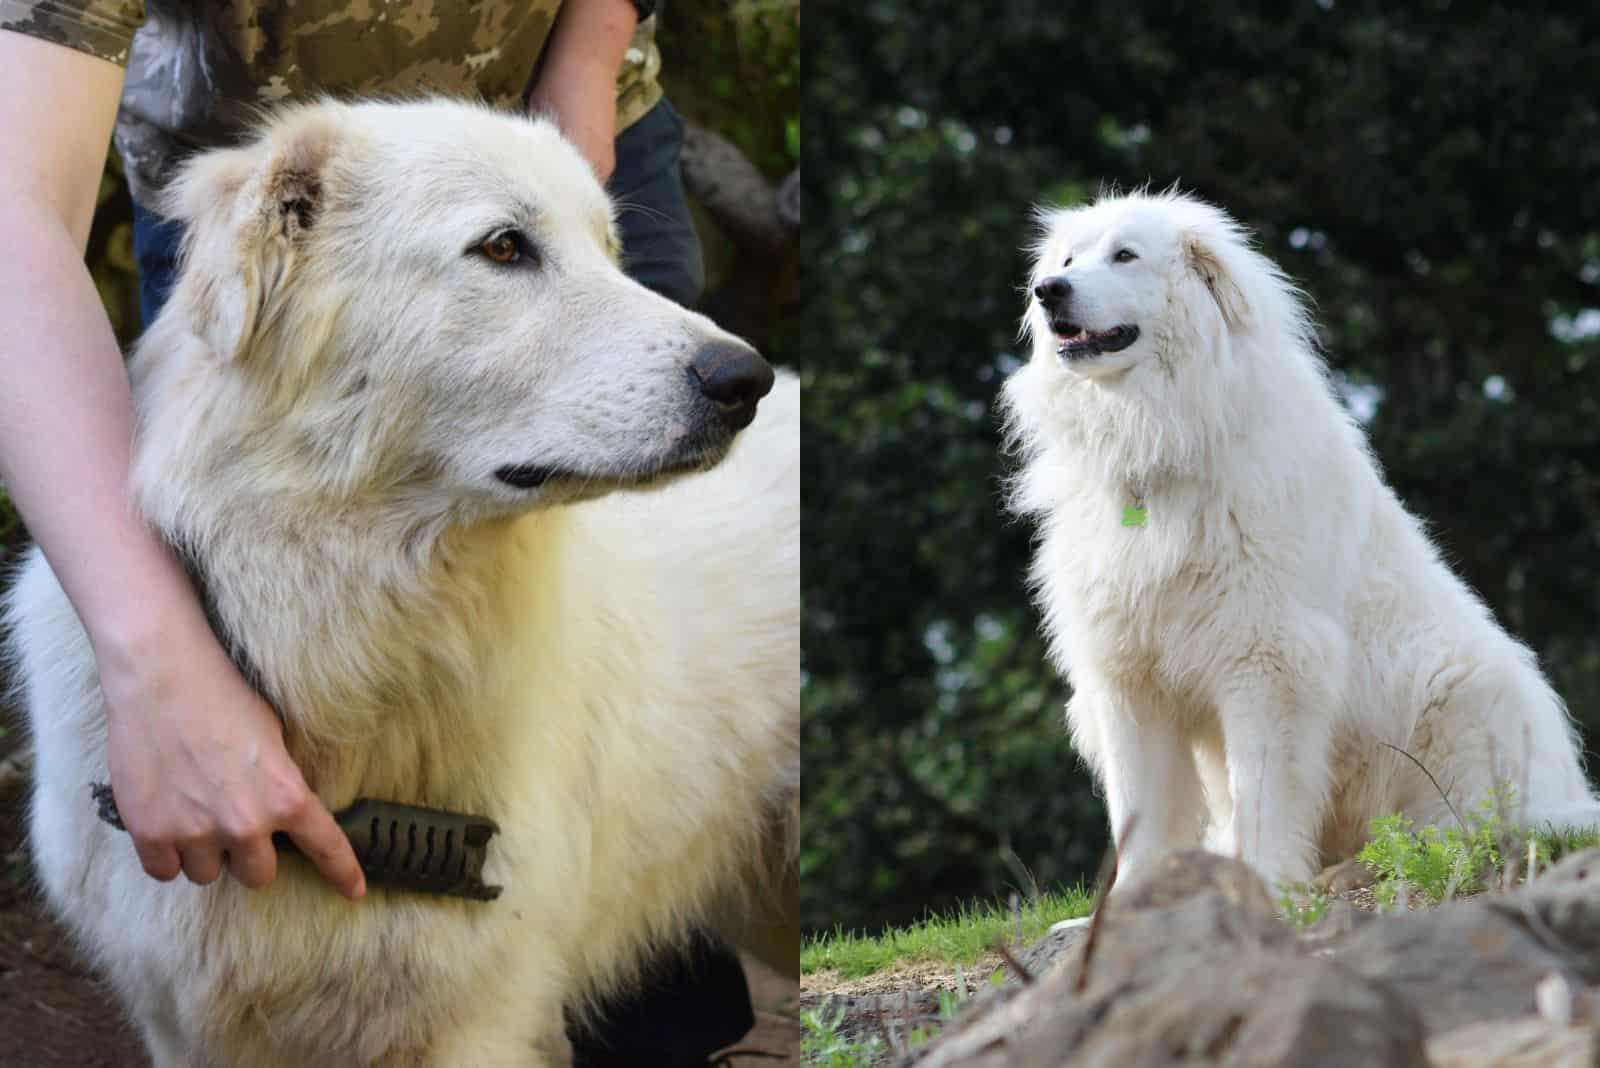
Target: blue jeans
[(659, 246)]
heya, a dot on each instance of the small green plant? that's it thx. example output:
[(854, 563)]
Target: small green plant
[(1303, 906), (822, 1046), (1435, 862)]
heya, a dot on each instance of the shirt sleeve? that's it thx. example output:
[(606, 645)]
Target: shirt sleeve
[(102, 28)]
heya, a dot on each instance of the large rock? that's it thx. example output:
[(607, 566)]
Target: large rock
[(1192, 966), (1189, 966), (1529, 1043), (1481, 959)]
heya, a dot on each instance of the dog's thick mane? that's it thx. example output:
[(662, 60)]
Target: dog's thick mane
[(1120, 432)]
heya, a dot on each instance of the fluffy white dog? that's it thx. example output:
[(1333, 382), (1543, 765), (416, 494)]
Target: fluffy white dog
[(1244, 609), (385, 412)]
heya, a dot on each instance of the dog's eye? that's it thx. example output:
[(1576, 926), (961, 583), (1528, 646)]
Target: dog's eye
[(505, 247), (1068, 262), (1126, 255)]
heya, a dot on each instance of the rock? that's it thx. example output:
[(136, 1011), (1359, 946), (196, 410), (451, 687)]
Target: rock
[(1193, 907), (1182, 875), (1459, 965), (1483, 958), (1260, 1012), (1190, 964), (1041, 957), (1345, 876), (1526, 1043), (1582, 867), (1341, 923)]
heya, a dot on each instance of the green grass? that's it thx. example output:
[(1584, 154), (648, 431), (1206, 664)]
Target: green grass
[(1557, 842), (956, 939)]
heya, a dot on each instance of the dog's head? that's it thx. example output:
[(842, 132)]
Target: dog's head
[(1141, 277), (425, 297)]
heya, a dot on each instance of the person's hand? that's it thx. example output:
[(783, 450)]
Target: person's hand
[(577, 83), (201, 775)]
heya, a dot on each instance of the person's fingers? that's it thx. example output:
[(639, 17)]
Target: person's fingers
[(253, 862), (159, 859), (320, 839), (202, 862)]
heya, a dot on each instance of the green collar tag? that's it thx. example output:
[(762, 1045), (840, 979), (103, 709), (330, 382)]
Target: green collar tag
[(1135, 515)]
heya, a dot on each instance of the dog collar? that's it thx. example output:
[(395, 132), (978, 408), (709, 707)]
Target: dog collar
[(231, 643)]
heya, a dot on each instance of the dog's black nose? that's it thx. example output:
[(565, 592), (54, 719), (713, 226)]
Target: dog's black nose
[(1053, 290), (735, 377)]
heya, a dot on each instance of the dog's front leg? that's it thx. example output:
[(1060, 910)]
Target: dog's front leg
[(1278, 749), (1146, 768)]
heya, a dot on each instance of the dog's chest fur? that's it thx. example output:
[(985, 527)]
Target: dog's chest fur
[(1135, 600)]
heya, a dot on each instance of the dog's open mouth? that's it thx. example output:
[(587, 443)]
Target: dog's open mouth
[(1074, 342)]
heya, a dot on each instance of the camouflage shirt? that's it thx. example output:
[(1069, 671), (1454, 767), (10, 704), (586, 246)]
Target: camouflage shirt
[(198, 71)]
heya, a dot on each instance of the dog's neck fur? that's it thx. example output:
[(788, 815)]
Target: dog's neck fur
[(1120, 434), (342, 581)]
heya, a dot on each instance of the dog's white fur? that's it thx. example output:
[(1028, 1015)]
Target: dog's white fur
[(1239, 659), (612, 676)]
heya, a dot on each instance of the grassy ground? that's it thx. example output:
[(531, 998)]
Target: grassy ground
[(935, 945), (1411, 867), (961, 938)]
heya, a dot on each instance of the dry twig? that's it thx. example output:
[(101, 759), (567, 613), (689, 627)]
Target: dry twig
[(1107, 879)]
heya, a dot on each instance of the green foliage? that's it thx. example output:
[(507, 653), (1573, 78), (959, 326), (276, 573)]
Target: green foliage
[(1436, 193), (822, 1046), (1435, 862), (1303, 907), (956, 939), (1440, 862), (735, 66)]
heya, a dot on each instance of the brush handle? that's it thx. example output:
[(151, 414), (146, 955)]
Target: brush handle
[(400, 847)]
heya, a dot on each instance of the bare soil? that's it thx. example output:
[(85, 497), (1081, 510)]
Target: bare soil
[(53, 1012), (933, 976)]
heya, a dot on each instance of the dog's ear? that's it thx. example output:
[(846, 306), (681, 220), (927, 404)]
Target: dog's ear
[(247, 212), (1203, 259)]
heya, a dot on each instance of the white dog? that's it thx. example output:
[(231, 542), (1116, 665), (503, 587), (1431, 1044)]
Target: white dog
[(399, 356), (1245, 611)]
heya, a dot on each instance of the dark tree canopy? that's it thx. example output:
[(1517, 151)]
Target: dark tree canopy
[(1430, 176)]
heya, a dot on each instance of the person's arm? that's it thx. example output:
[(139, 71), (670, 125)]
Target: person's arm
[(577, 84), (197, 759)]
